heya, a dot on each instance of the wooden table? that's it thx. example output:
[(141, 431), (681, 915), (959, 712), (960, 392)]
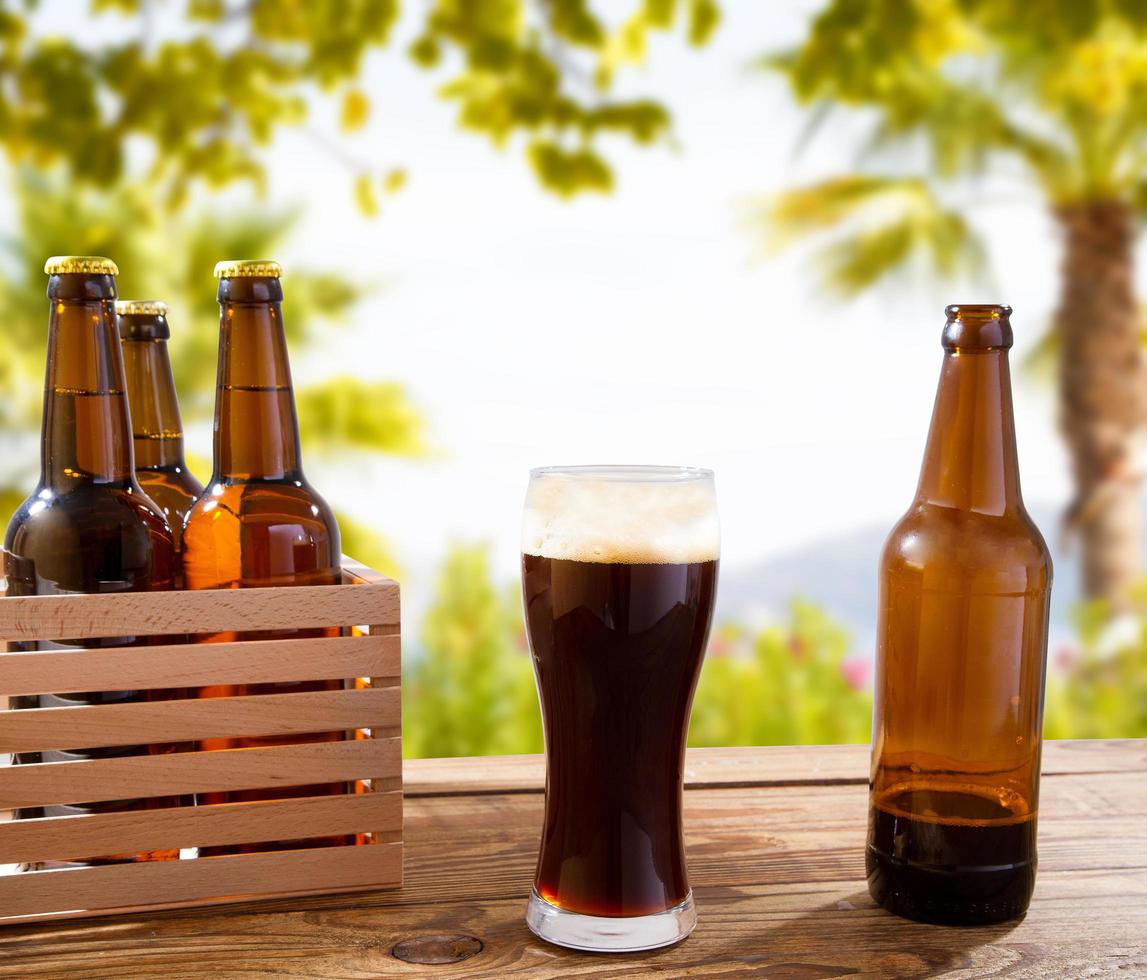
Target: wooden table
[(775, 839)]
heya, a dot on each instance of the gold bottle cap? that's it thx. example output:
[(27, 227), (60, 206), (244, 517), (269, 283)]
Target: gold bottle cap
[(91, 265), (247, 268), (140, 307)]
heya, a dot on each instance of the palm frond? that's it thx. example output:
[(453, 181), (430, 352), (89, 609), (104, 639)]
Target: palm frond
[(869, 227)]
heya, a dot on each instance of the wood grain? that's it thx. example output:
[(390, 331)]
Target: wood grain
[(55, 617), (135, 777), (227, 878), (100, 726), (777, 869), (749, 766), (76, 837), (199, 664)]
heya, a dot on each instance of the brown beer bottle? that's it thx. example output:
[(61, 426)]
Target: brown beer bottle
[(87, 527), (961, 646), (259, 523), (157, 429)]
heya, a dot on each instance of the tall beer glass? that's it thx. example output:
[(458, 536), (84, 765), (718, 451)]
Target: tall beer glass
[(619, 574)]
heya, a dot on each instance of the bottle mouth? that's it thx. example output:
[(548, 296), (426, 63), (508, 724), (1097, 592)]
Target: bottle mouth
[(978, 311), (975, 327)]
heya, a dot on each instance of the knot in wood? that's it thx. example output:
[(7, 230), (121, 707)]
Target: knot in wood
[(437, 950)]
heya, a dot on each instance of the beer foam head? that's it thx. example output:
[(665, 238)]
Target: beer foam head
[(613, 514)]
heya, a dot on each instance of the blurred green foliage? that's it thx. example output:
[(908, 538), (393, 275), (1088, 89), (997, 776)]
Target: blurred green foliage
[(207, 97), (957, 88), (790, 683), (471, 691), (1100, 689)]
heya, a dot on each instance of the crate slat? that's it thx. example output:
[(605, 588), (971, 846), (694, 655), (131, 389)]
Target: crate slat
[(198, 664), (143, 722), (135, 777), (57, 617), (77, 837), (231, 877)]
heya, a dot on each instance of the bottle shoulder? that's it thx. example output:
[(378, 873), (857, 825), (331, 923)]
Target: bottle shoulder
[(260, 533), (86, 510), (263, 500), (943, 542), (91, 538)]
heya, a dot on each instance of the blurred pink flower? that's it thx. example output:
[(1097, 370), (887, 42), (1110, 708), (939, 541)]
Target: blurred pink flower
[(720, 646), (856, 671), (798, 647), (1065, 657)]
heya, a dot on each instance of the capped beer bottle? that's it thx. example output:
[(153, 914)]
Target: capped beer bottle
[(87, 527), (157, 429), (259, 522), (961, 646)]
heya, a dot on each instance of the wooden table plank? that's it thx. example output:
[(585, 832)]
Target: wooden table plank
[(748, 765), (777, 868)]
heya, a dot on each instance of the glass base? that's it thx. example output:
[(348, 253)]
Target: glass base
[(610, 934)]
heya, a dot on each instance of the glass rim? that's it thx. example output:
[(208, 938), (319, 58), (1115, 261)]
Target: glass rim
[(625, 473)]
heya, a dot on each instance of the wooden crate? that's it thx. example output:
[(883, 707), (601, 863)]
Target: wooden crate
[(366, 655)]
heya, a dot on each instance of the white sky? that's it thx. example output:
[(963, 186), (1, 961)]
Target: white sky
[(641, 327)]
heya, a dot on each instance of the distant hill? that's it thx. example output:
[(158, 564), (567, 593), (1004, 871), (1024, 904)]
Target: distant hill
[(839, 574)]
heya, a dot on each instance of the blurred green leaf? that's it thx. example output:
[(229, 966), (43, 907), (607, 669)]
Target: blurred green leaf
[(569, 172), (366, 195), (351, 414), (704, 16), (365, 544), (355, 110)]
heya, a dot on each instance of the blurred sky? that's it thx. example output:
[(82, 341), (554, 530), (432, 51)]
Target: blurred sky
[(642, 327)]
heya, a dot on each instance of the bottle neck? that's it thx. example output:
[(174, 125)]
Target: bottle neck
[(157, 429), (970, 462), (256, 426), (86, 431)]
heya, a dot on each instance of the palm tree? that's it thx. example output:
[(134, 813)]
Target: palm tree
[(970, 87)]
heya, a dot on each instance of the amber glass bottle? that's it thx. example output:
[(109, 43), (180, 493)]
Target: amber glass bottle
[(259, 522), (157, 429), (961, 645), (87, 527)]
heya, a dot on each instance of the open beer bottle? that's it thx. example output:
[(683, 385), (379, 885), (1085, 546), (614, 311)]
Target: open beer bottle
[(259, 522), (87, 527), (961, 647), (157, 429)]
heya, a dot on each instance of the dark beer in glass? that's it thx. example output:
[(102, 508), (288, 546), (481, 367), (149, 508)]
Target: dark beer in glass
[(619, 573), (961, 644)]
